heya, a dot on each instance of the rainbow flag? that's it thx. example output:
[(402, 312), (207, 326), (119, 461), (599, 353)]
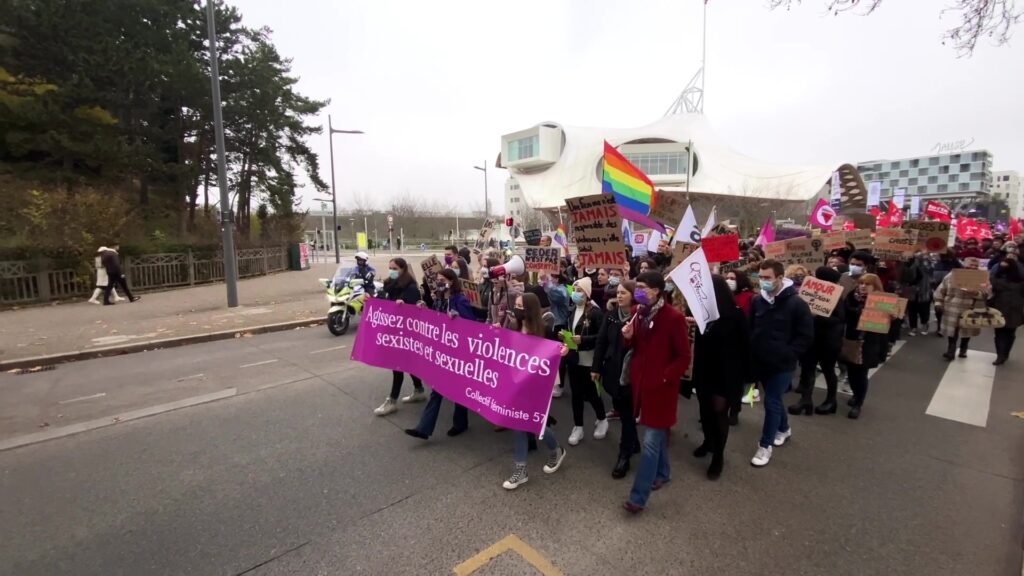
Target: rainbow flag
[(560, 238), (633, 190)]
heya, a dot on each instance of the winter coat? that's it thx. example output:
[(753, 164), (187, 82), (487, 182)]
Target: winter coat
[(410, 293), (587, 329), (780, 332), (954, 302), (600, 296), (1008, 298), (828, 333), (610, 351), (558, 296), (917, 280), (661, 355), (743, 300), (112, 263), (942, 268), (459, 303), (721, 356), (874, 346)]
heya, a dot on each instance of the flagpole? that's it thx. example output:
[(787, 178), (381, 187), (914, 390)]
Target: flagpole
[(703, 56), (689, 159)]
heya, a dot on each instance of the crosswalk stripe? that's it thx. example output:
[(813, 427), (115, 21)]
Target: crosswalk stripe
[(965, 391)]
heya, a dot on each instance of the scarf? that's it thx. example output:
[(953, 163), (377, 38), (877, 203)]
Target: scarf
[(647, 316)]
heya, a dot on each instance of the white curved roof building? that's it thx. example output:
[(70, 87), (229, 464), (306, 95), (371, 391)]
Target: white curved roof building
[(552, 162)]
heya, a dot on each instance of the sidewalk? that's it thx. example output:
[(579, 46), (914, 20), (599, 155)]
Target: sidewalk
[(80, 327)]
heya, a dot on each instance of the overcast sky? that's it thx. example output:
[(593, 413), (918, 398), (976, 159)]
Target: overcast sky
[(436, 84)]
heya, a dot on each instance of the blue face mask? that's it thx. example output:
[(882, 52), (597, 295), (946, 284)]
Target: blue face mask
[(393, 274), (767, 286), (669, 287), (856, 270), (614, 281), (578, 298)]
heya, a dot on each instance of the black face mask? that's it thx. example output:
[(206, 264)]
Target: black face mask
[(519, 313)]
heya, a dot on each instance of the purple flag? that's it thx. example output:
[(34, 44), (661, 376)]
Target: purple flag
[(504, 376)]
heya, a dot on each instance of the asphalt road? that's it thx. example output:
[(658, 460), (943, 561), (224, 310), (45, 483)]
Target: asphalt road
[(290, 473)]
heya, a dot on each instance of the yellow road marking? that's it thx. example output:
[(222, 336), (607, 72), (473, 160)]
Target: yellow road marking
[(513, 543)]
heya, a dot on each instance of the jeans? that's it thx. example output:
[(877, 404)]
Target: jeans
[(775, 419), (623, 403), (1004, 341), (521, 444), (918, 312), (396, 383), (858, 382), (428, 420), (653, 465), (584, 389)]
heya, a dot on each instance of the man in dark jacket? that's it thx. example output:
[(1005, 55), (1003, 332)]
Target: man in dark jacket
[(781, 330), (115, 277)]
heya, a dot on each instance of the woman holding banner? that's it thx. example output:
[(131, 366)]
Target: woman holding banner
[(953, 302), (824, 352), (400, 286), (862, 350), (527, 312), (585, 324), (450, 300), (611, 368)]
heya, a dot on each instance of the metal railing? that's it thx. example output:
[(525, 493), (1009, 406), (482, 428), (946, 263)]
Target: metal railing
[(39, 281)]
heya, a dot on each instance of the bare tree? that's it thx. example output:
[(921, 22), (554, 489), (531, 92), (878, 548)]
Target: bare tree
[(362, 203), (978, 19)]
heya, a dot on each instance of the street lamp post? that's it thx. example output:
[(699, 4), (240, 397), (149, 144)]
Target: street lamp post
[(487, 211), (331, 131)]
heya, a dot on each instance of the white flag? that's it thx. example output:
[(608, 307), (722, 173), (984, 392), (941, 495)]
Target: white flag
[(710, 223), (874, 193), (899, 197), (687, 231), (693, 277), (653, 241), (915, 205)]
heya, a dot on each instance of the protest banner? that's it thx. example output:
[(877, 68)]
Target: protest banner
[(597, 231), (691, 329), (681, 251), (431, 267), (668, 208), (541, 259), (895, 243), (938, 210), (874, 321), (774, 250), (821, 296), (861, 239), (723, 248), (835, 240), (969, 279), (503, 375), (485, 234), (726, 267), (473, 293), (693, 277), (882, 302), (532, 236), (931, 235), (807, 252)]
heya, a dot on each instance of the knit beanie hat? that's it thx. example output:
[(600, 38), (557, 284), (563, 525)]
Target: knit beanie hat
[(584, 284)]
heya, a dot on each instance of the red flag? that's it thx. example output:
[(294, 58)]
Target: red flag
[(1015, 228), (938, 210), (967, 228), (895, 215), (984, 231)]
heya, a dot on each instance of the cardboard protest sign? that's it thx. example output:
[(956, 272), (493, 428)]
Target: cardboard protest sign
[(821, 296), (882, 302), (931, 236), (681, 251), (473, 293), (874, 321), (532, 236), (901, 308), (835, 240), (541, 259), (861, 239), (597, 231), (668, 208), (968, 279), (774, 250), (486, 229), (807, 252), (431, 267), (725, 267), (895, 243), (724, 248)]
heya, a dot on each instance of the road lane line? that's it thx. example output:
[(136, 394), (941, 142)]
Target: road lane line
[(258, 363), (80, 398), (55, 433), (965, 391), (513, 543), (192, 377), (328, 349)]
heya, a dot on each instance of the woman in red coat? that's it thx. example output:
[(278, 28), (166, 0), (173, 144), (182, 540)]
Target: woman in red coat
[(657, 336), (742, 291)]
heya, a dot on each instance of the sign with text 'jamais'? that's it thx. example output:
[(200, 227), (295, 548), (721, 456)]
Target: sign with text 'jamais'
[(597, 231), (821, 296), (541, 259), (503, 375)]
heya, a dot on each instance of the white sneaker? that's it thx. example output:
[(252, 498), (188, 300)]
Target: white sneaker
[(601, 429), (557, 392), (416, 396), (844, 387), (781, 437), (517, 479), (95, 302), (388, 407), (576, 435), (555, 461), (762, 456), (912, 333)]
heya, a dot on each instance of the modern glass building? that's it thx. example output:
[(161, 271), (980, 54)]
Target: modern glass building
[(964, 175)]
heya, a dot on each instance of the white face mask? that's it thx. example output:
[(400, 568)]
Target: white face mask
[(731, 284)]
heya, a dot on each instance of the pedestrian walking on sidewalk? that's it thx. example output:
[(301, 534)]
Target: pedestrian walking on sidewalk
[(115, 277), (824, 352), (526, 310), (782, 330), (862, 350), (612, 369), (1008, 298), (955, 301), (102, 280), (400, 286)]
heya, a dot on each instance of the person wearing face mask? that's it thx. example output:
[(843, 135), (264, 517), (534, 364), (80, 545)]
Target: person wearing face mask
[(451, 301), (400, 286), (1008, 298), (461, 268), (526, 310), (601, 289), (611, 368), (796, 273), (782, 330), (824, 352), (451, 254), (739, 283), (860, 262), (585, 325), (615, 277), (917, 283), (946, 263), (872, 346), (953, 302), (658, 337)]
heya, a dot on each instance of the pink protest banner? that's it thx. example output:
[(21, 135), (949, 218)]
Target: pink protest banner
[(503, 375)]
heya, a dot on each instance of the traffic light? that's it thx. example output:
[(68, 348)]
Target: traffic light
[(508, 222)]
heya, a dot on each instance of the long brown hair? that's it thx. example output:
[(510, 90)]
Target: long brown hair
[(405, 275), (532, 322), (453, 281)]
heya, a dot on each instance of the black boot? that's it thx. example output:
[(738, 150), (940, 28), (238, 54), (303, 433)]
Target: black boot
[(950, 349), (715, 469), (804, 406), (621, 467), (963, 347), (702, 450), (827, 407)]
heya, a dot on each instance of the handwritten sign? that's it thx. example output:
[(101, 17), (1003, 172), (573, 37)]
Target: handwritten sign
[(883, 302), (725, 267), (931, 235), (861, 239), (808, 252), (680, 252), (541, 259), (473, 293), (775, 250), (895, 243), (969, 279), (668, 208), (485, 234), (723, 248), (597, 231), (431, 268), (532, 236), (901, 308), (874, 321), (835, 240), (822, 297)]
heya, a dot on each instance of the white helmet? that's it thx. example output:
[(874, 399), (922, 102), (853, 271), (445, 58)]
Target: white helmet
[(362, 255)]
